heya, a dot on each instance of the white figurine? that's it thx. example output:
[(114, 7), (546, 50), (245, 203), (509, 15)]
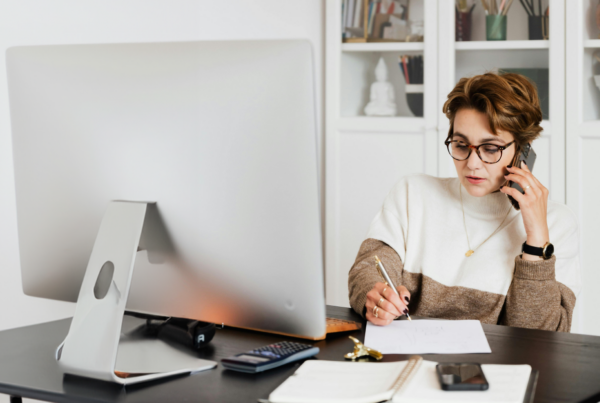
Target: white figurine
[(382, 94)]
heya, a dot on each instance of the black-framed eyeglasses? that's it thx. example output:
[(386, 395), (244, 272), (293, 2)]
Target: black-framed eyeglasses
[(488, 153)]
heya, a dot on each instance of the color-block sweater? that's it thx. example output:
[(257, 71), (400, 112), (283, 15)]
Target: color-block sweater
[(419, 235)]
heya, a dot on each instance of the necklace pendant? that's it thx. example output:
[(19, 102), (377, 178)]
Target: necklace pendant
[(469, 253)]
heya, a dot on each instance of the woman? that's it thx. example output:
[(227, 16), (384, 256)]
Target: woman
[(456, 248)]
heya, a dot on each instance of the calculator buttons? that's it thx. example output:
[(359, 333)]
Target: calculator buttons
[(270, 356)]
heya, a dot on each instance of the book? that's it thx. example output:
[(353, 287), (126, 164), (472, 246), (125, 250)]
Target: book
[(344, 8), (372, 12), (406, 71), (412, 71), (358, 14), (409, 381), (350, 16)]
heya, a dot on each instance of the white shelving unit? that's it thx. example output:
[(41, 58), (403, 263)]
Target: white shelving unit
[(591, 43), (502, 45), (583, 149), (384, 47), (365, 155)]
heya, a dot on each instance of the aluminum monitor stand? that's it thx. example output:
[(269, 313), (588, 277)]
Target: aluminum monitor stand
[(92, 344)]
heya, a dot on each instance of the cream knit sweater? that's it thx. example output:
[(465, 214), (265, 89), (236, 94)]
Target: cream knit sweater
[(420, 236)]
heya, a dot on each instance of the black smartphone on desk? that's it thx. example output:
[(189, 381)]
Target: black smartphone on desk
[(461, 376)]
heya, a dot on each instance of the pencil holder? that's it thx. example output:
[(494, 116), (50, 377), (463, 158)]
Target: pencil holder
[(495, 27), (414, 98), (463, 26), (538, 27)]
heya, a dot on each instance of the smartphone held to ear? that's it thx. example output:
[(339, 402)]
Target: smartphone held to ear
[(528, 156), (461, 376)]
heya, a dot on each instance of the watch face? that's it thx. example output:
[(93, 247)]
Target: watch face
[(548, 251)]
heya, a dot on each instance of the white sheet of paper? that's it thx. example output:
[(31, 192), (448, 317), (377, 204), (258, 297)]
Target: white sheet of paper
[(428, 337)]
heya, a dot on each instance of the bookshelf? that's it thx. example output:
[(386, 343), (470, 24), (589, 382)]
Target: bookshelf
[(366, 155)]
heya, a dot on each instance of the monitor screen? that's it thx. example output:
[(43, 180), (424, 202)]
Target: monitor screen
[(221, 135)]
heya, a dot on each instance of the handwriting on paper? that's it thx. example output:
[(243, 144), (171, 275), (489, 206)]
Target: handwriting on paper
[(428, 336)]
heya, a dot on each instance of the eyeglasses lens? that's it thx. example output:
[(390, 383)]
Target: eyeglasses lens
[(487, 152)]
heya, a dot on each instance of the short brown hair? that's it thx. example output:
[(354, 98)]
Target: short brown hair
[(509, 100)]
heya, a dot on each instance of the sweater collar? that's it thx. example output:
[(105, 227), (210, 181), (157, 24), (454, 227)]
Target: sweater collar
[(491, 205)]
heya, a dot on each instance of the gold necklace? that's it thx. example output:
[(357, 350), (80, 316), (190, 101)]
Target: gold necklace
[(471, 251)]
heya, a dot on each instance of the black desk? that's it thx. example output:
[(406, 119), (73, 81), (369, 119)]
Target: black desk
[(569, 366)]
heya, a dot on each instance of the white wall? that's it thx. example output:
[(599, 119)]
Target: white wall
[(38, 22)]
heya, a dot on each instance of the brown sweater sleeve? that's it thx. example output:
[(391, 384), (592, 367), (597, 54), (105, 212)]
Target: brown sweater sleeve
[(363, 274), (535, 300)]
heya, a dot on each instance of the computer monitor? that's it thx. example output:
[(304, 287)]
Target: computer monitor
[(221, 135)]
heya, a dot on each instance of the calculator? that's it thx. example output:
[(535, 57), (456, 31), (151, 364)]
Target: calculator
[(270, 356)]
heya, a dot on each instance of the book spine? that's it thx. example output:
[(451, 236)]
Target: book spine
[(358, 13), (350, 18), (401, 66), (406, 76), (372, 17), (344, 8)]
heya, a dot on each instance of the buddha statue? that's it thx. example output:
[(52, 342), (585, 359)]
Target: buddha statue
[(382, 94)]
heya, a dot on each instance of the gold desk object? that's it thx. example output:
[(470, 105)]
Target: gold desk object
[(360, 350)]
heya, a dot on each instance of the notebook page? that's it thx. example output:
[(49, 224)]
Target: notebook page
[(508, 384), (339, 381), (428, 337)]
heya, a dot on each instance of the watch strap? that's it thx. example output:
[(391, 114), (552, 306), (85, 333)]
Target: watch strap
[(535, 251)]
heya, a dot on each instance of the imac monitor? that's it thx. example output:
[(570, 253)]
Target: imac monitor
[(220, 135)]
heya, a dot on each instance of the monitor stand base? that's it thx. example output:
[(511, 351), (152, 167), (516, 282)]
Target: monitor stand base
[(93, 347), (140, 353)]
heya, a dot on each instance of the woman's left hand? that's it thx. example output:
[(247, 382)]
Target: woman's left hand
[(533, 204)]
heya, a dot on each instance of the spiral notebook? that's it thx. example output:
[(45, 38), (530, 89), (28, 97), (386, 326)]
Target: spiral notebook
[(412, 381)]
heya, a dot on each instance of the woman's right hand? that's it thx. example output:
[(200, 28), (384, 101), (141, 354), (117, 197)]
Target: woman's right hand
[(389, 305)]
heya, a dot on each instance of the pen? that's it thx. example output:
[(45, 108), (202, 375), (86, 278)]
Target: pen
[(387, 279)]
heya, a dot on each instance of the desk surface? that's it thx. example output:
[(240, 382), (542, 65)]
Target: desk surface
[(569, 365)]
